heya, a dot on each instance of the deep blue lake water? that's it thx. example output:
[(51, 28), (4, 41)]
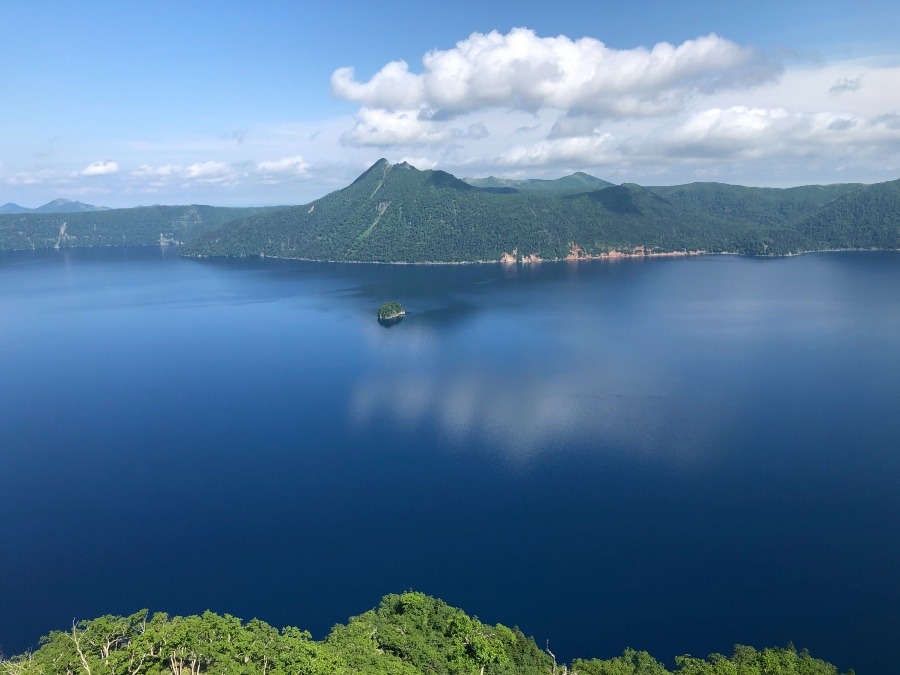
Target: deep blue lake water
[(673, 455)]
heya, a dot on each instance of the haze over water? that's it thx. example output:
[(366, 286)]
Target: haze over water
[(673, 455)]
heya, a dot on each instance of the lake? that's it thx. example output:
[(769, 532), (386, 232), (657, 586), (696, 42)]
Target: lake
[(674, 455)]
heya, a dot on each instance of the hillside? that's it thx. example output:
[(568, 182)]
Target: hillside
[(56, 206), (145, 225), (396, 213), (407, 634), (576, 182)]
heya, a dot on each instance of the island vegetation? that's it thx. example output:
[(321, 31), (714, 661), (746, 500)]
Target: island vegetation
[(407, 634), (391, 310)]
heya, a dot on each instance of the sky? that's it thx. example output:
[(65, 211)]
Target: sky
[(245, 104)]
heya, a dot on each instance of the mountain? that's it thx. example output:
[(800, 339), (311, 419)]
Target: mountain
[(407, 634), (56, 206), (576, 182), (396, 213), (67, 206), (144, 225), (9, 207)]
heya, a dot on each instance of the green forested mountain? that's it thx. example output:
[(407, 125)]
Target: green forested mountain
[(396, 213), (407, 634), (139, 226)]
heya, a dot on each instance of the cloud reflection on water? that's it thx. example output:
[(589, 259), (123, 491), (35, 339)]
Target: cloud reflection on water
[(523, 416)]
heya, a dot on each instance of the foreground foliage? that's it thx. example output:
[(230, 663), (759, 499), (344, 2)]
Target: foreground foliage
[(407, 634)]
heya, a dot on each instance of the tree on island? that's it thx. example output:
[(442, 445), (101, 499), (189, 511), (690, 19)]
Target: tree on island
[(390, 310)]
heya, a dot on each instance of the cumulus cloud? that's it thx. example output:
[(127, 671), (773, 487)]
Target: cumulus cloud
[(719, 135), (744, 132), (203, 173), (378, 127), (286, 166), (212, 172), (100, 168), (578, 151), (524, 71)]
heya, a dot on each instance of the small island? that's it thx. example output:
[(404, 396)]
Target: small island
[(390, 311)]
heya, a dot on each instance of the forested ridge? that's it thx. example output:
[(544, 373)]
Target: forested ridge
[(396, 213), (407, 634), (139, 226)]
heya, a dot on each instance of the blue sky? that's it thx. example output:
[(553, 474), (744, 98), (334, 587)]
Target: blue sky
[(239, 103)]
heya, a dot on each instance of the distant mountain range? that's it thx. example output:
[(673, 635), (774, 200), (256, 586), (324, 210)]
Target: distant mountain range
[(576, 182), (56, 206), (397, 213), (140, 226)]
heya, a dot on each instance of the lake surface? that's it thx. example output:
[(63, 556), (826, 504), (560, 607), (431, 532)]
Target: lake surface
[(673, 455)]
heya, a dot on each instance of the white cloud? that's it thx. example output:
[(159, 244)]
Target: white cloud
[(165, 171), (392, 87), (578, 151), (286, 166), (39, 177), (100, 168), (422, 163), (211, 172), (716, 137), (743, 132), (705, 107), (524, 71), (379, 127)]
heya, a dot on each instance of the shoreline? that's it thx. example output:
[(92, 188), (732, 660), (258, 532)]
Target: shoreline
[(534, 259), (520, 260)]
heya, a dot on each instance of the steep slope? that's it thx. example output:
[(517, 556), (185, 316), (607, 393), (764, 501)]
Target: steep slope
[(865, 218), (769, 207), (394, 213)]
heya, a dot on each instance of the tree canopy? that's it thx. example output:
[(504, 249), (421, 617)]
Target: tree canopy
[(407, 634)]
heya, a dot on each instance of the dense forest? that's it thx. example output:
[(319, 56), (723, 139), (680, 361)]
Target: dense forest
[(407, 634), (140, 226), (396, 213)]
